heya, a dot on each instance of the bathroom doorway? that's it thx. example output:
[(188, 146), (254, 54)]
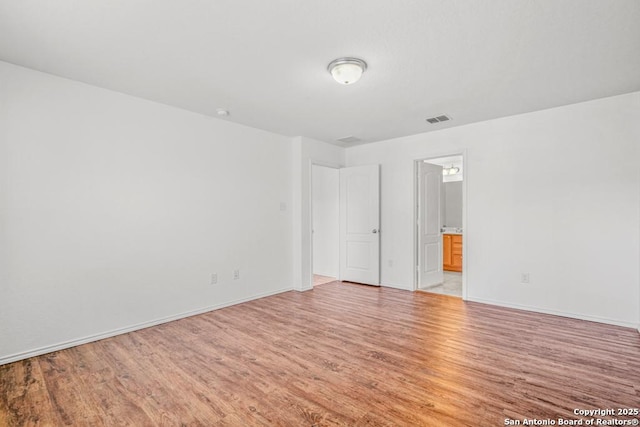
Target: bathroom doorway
[(439, 211)]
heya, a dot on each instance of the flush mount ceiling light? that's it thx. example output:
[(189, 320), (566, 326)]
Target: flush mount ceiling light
[(450, 171), (347, 71)]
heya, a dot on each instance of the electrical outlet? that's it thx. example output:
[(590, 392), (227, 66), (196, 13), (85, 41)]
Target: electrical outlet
[(214, 278), (524, 278), (236, 274)]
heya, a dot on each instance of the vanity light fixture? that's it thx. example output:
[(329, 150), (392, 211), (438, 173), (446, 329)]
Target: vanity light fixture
[(347, 71), (450, 171)]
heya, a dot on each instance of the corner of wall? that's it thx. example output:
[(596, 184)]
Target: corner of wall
[(296, 211), (305, 152)]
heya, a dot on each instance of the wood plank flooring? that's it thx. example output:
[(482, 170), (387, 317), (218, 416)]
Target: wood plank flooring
[(339, 355)]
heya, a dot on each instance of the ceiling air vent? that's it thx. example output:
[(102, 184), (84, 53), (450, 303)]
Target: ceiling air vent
[(438, 119), (349, 139)]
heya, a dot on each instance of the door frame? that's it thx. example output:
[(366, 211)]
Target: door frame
[(416, 199)]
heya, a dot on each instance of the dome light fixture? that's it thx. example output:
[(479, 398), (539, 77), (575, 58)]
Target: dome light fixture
[(347, 71)]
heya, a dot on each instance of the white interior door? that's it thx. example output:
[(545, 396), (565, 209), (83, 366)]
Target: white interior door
[(429, 223), (360, 224)]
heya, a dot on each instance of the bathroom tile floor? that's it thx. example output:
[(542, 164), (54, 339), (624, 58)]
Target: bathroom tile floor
[(321, 280), (452, 285)]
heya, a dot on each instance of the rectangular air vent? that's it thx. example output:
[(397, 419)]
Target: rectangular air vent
[(349, 139), (438, 119)]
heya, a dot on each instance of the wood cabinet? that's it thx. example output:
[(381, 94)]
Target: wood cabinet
[(452, 252)]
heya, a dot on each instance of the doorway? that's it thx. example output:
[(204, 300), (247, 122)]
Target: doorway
[(439, 210), (325, 211)]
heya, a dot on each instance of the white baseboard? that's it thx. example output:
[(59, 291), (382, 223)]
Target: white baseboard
[(108, 334), (555, 312)]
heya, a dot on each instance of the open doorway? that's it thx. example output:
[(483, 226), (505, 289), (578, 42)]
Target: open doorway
[(325, 213), (439, 225)]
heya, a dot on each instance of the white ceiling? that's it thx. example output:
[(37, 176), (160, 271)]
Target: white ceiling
[(265, 61)]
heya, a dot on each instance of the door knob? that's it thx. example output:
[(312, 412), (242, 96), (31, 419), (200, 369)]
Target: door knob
[(374, 231)]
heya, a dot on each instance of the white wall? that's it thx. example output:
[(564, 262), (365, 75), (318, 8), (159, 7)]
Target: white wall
[(325, 214), (305, 153), (452, 192), (553, 193), (115, 211)]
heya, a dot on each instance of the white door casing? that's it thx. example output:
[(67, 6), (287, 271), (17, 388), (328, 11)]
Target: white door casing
[(360, 224), (429, 222)]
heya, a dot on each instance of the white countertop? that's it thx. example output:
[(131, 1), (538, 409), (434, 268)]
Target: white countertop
[(452, 230)]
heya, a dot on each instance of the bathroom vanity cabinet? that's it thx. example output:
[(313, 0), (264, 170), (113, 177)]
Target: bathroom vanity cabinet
[(452, 252)]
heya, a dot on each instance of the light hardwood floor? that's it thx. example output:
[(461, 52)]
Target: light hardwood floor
[(339, 355)]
